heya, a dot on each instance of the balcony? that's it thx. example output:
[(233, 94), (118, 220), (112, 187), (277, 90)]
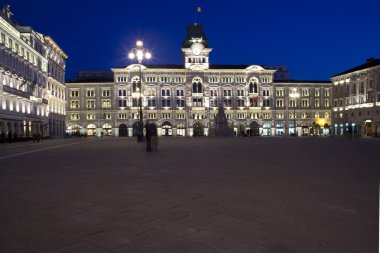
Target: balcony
[(15, 92)]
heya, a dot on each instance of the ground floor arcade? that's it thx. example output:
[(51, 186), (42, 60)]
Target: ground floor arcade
[(197, 128)]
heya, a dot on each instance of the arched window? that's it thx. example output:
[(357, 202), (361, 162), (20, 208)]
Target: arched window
[(197, 87), (253, 87)]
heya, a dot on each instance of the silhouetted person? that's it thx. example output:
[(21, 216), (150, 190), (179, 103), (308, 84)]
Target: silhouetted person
[(149, 135), (9, 136)]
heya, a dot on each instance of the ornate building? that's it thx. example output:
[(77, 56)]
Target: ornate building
[(32, 91), (356, 96), (183, 100)]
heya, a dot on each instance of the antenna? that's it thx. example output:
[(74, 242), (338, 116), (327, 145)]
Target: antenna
[(198, 9)]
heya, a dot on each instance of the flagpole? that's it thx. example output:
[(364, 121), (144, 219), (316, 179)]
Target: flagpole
[(196, 12)]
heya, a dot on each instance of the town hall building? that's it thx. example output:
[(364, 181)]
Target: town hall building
[(183, 100)]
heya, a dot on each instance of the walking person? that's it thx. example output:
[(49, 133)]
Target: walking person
[(149, 135)]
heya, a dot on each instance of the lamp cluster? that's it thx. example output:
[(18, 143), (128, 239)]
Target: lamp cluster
[(139, 52)]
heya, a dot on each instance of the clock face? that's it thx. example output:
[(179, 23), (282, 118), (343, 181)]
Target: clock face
[(197, 49)]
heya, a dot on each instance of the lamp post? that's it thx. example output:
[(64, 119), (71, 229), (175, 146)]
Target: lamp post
[(140, 54), (294, 95)]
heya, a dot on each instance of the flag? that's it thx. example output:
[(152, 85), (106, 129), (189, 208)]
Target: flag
[(199, 9)]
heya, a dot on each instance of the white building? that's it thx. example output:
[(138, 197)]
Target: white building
[(182, 100), (356, 98), (32, 90)]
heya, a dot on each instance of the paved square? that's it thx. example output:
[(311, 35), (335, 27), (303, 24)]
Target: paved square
[(264, 195)]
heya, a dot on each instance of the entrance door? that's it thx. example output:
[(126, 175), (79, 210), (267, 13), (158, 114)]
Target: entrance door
[(135, 128), (255, 129), (198, 130), (241, 130), (123, 130), (368, 129), (167, 129)]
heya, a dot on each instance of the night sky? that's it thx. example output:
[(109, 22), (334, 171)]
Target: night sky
[(314, 39)]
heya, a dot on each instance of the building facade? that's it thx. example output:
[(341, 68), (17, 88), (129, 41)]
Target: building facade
[(32, 92), (182, 100), (356, 98)]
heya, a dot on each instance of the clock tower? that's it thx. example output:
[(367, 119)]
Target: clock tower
[(195, 48)]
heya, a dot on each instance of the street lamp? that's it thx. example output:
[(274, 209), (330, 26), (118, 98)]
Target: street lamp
[(140, 54), (294, 94)]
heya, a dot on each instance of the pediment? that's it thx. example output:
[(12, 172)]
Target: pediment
[(135, 67), (255, 68), (197, 67)]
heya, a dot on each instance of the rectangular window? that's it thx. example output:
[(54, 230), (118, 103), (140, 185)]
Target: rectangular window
[(180, 116), (90, 104), (151, 115), (106, 93), (164, 79), (279, 103), (327, 92), (316, 103), (151, 79), (122, 116), (166, 115), (305, 102), (327, 103), (279, 92), (91, 116), (227, 92), (180, 103), (135, 102), (240, 102), (122, 103), (107, 116), (197, 102), (280, 115), (151, 102), (122, 92), (305, 92), (165, 103), (90, 93), (240, 93), (75, 117), (317, 93), (106, 103), (74, 93), (266, 115), (180, 93), (228, 103), (240, 79), (74, 104)]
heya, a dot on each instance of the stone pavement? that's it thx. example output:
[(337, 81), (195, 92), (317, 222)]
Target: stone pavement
[(260, 195)]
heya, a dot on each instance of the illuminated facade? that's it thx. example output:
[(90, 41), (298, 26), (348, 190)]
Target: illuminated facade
[(356, 100), (32, 91), (182, 100)]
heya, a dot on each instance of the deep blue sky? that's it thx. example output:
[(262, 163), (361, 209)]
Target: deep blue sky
[(315, 39)]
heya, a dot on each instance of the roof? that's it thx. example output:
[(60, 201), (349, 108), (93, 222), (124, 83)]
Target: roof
[(91, 80), (194, 31), (181, 66), (301, 81), (369, 64)]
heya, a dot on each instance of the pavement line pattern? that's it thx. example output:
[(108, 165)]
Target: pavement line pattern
[(37, 150)]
